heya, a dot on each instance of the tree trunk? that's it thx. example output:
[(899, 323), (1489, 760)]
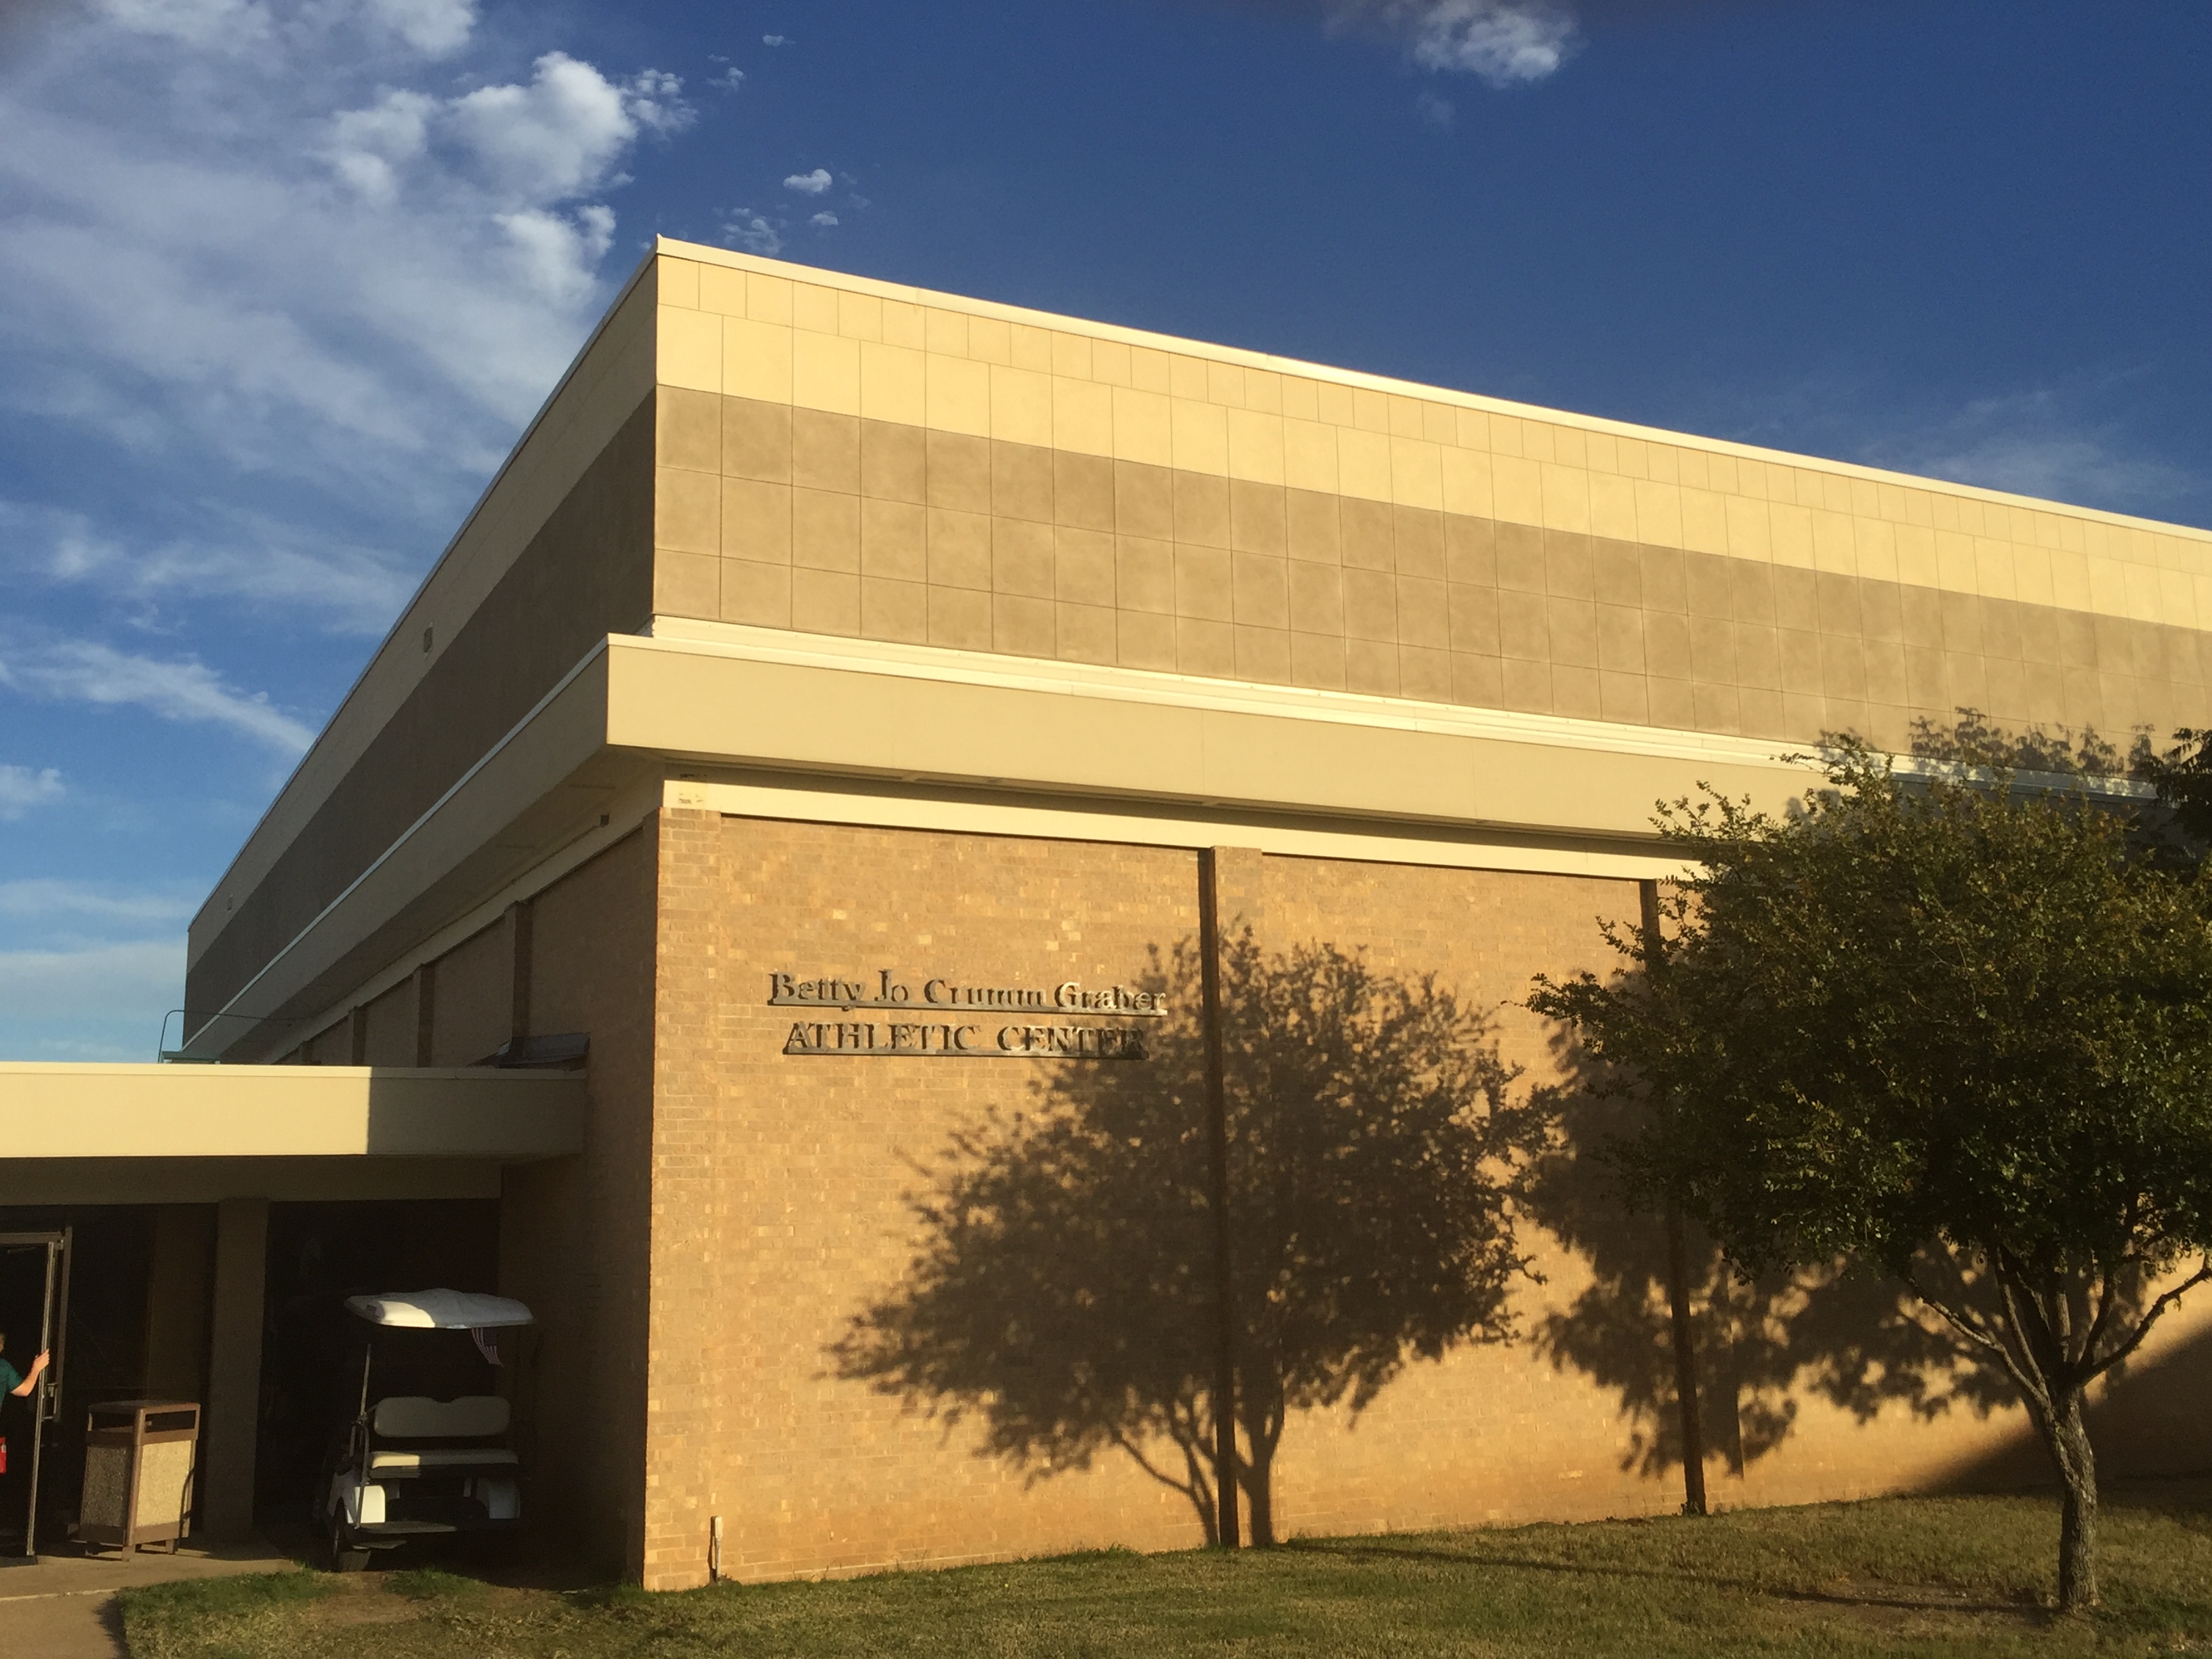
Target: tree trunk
[(1686, 1360), (2069, 1439), (1260, 1490)]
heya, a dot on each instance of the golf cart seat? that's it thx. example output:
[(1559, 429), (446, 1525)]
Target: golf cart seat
[(388, 1462), (417, 1417)]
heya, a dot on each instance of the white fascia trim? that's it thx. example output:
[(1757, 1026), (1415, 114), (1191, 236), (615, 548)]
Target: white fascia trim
[(894, 809), (930, 662)]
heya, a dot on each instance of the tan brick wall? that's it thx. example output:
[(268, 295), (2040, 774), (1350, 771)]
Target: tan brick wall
[(778, 1212), (778, 1187)]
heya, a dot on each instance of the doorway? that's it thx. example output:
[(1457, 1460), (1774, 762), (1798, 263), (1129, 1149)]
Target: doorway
[(34, 1320)]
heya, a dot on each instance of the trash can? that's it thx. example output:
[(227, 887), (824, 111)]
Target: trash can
[(139, 1458)]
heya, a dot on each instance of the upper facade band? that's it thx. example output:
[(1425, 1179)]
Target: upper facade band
[(864, 459), (750, 443)]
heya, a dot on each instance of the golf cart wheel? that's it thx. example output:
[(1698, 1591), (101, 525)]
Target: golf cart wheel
[(344, 1557)]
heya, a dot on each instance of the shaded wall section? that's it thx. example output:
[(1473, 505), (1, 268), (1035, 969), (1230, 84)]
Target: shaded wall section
[(586, 573), (574, 1231)]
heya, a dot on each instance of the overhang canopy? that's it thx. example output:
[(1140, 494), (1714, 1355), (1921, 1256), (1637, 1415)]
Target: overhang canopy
[(231, 1112)]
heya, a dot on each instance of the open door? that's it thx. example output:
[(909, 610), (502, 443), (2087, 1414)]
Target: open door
[(35, 1318)]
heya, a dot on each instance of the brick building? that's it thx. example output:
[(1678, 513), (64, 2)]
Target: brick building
[(825, 628)]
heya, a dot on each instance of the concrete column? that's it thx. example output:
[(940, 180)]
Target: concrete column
[(520, 915), (177, 1302), (234, 1413), (426, 1011)]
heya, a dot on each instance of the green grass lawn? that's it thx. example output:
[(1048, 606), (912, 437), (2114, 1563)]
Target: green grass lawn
[(1949, 1576)]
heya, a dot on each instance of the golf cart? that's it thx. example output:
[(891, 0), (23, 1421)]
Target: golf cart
[(426, 1456)]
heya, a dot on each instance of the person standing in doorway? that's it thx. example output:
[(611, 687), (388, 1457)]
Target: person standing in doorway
[(13, 1380)]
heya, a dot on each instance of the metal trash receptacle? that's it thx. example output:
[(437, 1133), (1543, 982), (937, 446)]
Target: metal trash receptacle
[(139, 1460)]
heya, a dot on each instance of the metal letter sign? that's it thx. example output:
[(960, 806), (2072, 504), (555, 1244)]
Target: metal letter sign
[(934, 1027)]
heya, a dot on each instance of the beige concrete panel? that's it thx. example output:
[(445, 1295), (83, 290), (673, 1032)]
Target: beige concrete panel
[(1145, 640), (825, 601), (894, 462), (1084, 566), (1083, 491)]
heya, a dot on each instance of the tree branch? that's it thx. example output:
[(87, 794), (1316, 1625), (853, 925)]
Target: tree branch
[(2035, 1366), (2151, 1316), (1970, 1326)]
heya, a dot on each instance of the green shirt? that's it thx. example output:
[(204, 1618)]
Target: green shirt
[(10, 1378)]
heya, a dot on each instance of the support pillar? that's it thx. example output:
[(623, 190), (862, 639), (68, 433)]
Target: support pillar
[(1228, 900), (177, 1301), (426, 1012), (234, 1405)]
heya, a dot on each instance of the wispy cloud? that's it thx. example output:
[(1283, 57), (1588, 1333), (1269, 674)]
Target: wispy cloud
[(2033, 444), (236, 555), (315, 262), (85, 671), (135, 980), (49, 900), (2073, 441), (22, 787), (810, 184), (822, 221), (752, 231), (1505, 43)]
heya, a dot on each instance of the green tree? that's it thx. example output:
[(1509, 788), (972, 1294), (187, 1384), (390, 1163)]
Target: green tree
[(1063, 1292), (1952, 1030)]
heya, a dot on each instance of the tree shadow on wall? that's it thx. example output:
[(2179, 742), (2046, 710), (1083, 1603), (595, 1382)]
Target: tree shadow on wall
[(1858, 1340), (1973, 739), (1063, 1296)]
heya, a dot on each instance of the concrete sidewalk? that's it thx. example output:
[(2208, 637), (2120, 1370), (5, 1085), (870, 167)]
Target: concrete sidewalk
[(62, 1607)]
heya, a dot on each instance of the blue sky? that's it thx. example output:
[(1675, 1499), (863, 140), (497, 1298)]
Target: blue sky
[(280, 280)]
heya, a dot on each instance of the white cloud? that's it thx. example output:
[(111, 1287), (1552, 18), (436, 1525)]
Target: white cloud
[(133, 979), (21, 788), (776, 41), (2031, 444), (824, 220), (810, 184), (561, 136), (217, 25), (84, 671), (318, 265), (236, 556), (748, 230), (436, 28), (1503, 42)]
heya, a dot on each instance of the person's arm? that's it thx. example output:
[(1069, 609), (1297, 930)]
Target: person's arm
[(31, 1382)]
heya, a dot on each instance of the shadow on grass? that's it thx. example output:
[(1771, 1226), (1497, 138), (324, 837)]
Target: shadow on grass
[(1885, 1596)]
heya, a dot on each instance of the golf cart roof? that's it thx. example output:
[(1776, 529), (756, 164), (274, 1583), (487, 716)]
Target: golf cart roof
[(439, 1311)]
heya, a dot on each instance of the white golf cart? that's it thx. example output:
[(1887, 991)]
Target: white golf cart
[(427, 1456)]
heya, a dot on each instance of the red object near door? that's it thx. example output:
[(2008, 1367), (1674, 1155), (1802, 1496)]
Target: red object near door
[(3, 1454)]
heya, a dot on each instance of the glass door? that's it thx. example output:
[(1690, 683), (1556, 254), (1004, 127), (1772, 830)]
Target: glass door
[(34, 1320)]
